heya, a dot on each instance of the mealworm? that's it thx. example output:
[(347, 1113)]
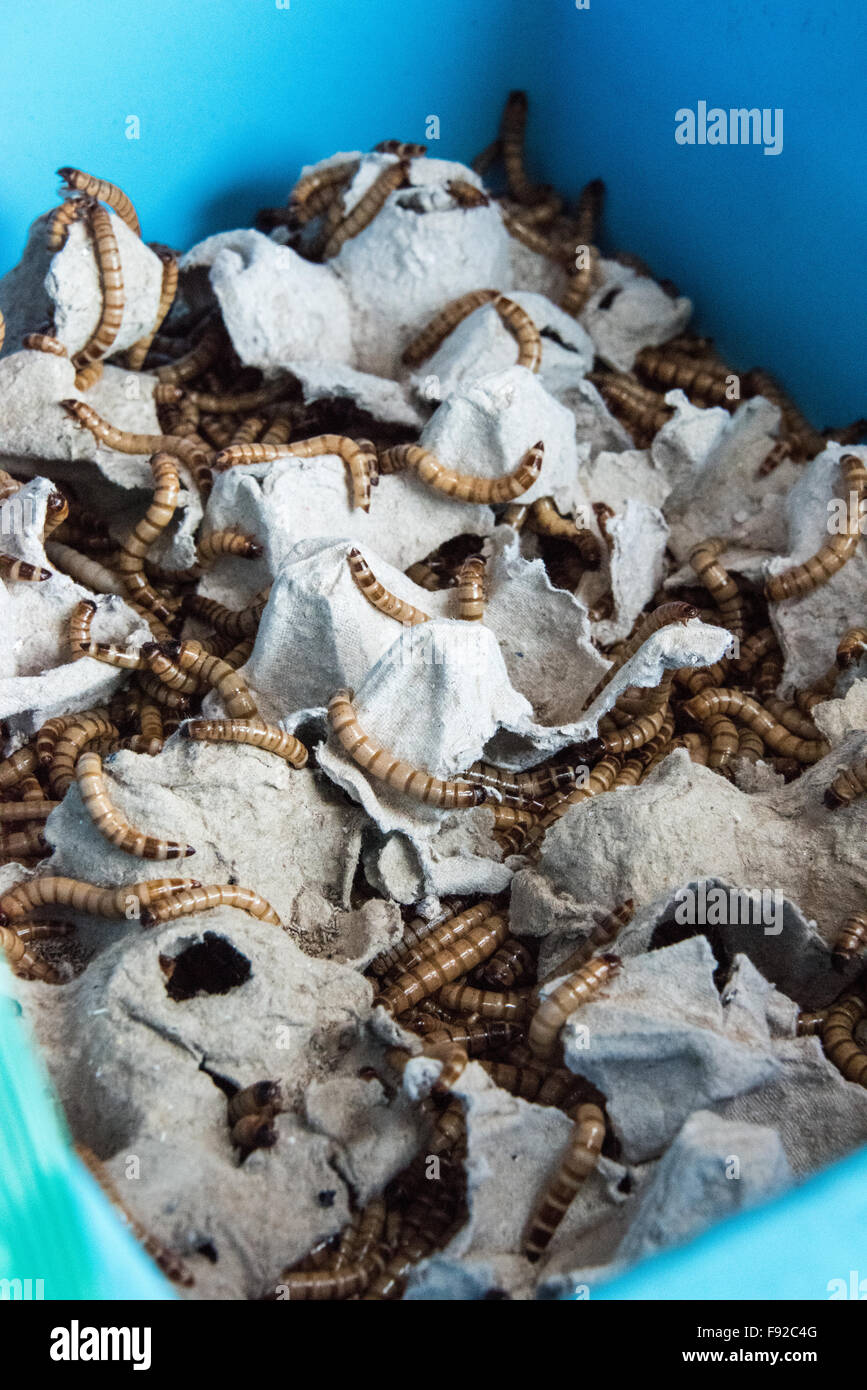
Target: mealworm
[(168, 288), (505, 817), (124, 442), (88, 375), (750, 745), (85, 571), (724, 741), (317, 179), (452, 1057), (111, 281), (720, 585), (475, 1036), (666, 615), (227, 542), (25, 898), (15, 811), (56, 512), (545, 519), (508, 1005), (359, 460), (351, 1281), (430, 939), (471, 589), (602, 935), (8, 485), (252, 1100), (838, 1039), (112, 655), (249, 430), (745, 710), (413, 935), (561, 1003), (197, 360), (110, 823), (635, 734), (235, 624), (581, 1159), (378, 596), (756, 646), (802, 440), (203, 898), (78, 628), (161, 693), (463, 486), (852, 937), (184, 666), (70, 210), (446, 965), (23, 844), (466, 195), (516, 319), (20, 570), (511, 148), (540, 1086), (246, 400), (387, 182), (104, 192), (791, 717), (510, 963), (802, 579), (255, 732), (84, 729), (278, 432), (171, 1264), (852, 647), (131, 556), (25, 964), (47, 736), (601, 779), (402, 148), (847, 786), (642, 410), (42, 342), (436, 791), (703, 381), (810, 1023), (17, 766)]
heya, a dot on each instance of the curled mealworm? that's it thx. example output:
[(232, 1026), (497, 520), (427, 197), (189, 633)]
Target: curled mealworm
[(516, 319), (833, 555), (745, 710), (254, 731), (664, 616), (724, 742), (366, 209), (839, 1042), (111, 281), (43, 342), (436, 791), (16, 767), (184, 666), (574, 991), (720, 585), (48, 891), (124, 442), (847, 786), (70, 210), (187, 901), (545, 519), (20, 570), (318, 179), (635, 734), (359, 460), (23, 961), (104, 192), (471, 589), (110, 823), (463, 486), (158, 691), (581, 1159), (168, 288), (131, 557), (509, 965), (443, 967), (85, 728), (377, 595), (852, 937)]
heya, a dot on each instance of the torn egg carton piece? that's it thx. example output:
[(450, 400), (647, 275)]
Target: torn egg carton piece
[(483, 346), (64, 287), (536, 273), (421, 251), (809, 628), (386, 402), (595, 427), (275, 305), (629, 312), (618, 476), (838, 718), (637, 537), (38, 678)]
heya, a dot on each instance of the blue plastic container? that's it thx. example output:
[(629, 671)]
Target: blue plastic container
[(204, 112)]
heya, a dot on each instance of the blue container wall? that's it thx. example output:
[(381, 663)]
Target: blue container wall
[(231, 96)]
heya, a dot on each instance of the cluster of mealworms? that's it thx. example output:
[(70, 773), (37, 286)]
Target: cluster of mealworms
[(460, 984)]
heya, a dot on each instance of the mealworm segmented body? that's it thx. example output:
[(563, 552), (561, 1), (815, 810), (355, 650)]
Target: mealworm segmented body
[(16, 767), (746, 710), (371, 756), (187, 901), (103, 192), (43, 342), (704, 381), (378, 596), (78, 630), (185, 666), (852, 937), (515, 319), (62, 218), (475, 1036), (232, 623), (227, 542), (195, 457), (72, 893), (110, 823), (18, 845), (430, 939), (111, 281), (636, 733), (847, 786), (368, 206), (464, 486), (254, 731), (720, 585), (168, 288), (85, 728), (509, 965), (25, 964), (13, 812), (839, 1042), (545, 519), (471, 589), (575, 990), (852, 647), (360, 460), (833, 555), (510, 1006), (663, 616), (20, 570), (581, 1159), (644, 412), (446, 965), (601, 779)]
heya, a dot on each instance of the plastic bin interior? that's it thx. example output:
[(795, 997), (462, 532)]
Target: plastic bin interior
[(231, 98)]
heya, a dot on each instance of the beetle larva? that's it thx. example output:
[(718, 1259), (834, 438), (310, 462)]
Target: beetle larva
[(745, 710), (509, 965), (254, 731), (756, 646), (171, 1264), (508, 1005), (601, 779), (84, 570), (278, 432), (8, 485), (84, 729), (254, 1132), (750, 745), (643, 411), (402, 148), (187, 901), (532, 1082), (839, 1042), (377, 595), (103, 192), (443, 967), (833, 555), (158, 691), (723, 741), (423, 786), (26, 844), (852, 937), (523, 330), (366, 209), (56, 512), (251, 1100), (706, 383), (231, 623), (88, 375), (70, 210), (78, 630), (545, 519), (227, 542), (810, 1023), (192, 455), (23, 961), (511, 148), (43, 342), (471, 589), (516, 319), (847, 786), (197, 360), (20, 570), (359, 460), (720, 585), (419, 944), (325, 177), (185, 666), (110, 823), (246, 400), (602, 935), (16, 767), (803, 442), (248, 431), (574, 991), (49, 891), (635, 734), (111, 281), (663, 616), (463, 486), (581, 1159), (475, 1036), (13, 812), (466, 195), (168, 288), (852, 647)]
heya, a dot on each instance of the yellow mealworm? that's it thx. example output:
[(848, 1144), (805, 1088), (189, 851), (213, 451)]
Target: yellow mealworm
[(540, 1085), (581, 1159), (16, 767), (745, 710), (187, 901), (20, 570), (463, 486), (197, 360), (811, 1023), (790, 717), (443, 967), (471, 589), (724, 741), (168, 1260), (664, 616), (322, 178), (839, 1042), (85, 728), (852, 647), (368, 206), (78, 629), (8, 485), (359, 460), (635, 734), (511, 963), (429, 939), (475, 1036), (25, 898), (720, 585), (378, 596), (833, 555), (515, 515), (184, 665), (168, 288), (525, 787), (545, 519), (227, 542), (467, 195), (756, 646), (601, 779), (88, 375), (575, 990), (70, 210), (416, 932), (111, 281), (511, 148), (278, 432), (402, 148), (507, 816), (248, 431), (110, 823), (847, 786), (84, 570), (23, 844), (508, 1005), (56, 512), (231, 623), (426, 576), (252, 1100), (750, 745), (42, 342), (130, 560), (13, 812), (104, 192), (124, 442), (643, 411), (452, 1057), (23, 961), (255, 732), (516, 319), (247, 400), (852, 937), (602, 935), (703, 381), (156, 690), (423, 786)]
